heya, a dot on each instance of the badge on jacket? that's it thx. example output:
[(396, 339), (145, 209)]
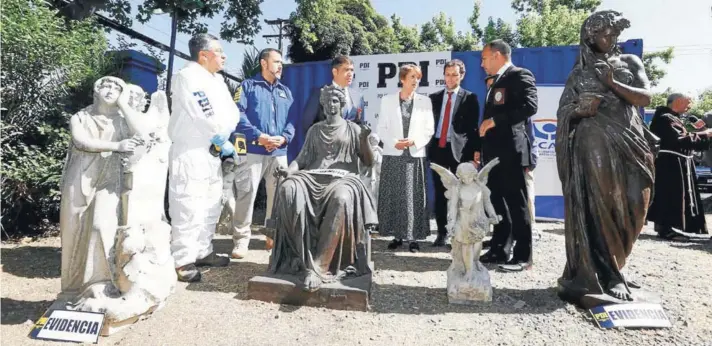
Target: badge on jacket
[(238, 93), (282, 94), (499, 96)]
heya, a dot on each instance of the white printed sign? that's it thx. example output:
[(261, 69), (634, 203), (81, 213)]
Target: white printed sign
[(547, 176), (65, 325), (631, 315), (377, 75)]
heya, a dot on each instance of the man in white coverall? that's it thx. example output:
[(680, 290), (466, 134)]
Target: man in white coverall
[(203, 113)]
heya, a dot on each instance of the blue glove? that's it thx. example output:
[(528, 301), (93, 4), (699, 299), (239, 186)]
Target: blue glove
[(227, 149), (218, 140)]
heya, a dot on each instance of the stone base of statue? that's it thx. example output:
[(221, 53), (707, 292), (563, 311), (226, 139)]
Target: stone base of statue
[(144, 277), (469, 289), (588, 301), (348, 294)]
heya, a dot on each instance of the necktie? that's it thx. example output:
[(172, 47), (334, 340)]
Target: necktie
[(446, 121)]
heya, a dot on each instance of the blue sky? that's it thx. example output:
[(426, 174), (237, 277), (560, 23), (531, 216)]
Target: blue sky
[(686, 25)]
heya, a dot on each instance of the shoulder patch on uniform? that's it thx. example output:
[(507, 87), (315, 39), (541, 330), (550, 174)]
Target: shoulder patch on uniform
[(237, 95)]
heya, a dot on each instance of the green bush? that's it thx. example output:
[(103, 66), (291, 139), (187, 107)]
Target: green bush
[(48, 70)]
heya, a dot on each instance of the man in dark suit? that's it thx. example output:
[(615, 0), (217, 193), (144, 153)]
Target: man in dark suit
[(510, 102), (456, 113)]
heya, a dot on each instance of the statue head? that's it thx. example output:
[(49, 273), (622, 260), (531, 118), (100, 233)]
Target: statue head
[(600, 31), (466, 172), (107, 90), (137, 97), (333, 100)]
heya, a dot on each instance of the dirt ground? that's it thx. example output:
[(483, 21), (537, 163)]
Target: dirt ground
[(408, 304)]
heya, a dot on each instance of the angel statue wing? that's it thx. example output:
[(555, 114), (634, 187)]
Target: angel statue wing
[(158, 112), (483, 175), (452, 193)]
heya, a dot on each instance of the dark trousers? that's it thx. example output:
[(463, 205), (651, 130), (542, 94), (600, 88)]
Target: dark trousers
[(509, 198), (442, 157)]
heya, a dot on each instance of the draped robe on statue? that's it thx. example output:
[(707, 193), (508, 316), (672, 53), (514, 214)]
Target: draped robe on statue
[(324, 210), (90, 204), (606, 169)]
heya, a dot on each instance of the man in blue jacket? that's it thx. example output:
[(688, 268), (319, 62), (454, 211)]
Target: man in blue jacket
[(264, 104)]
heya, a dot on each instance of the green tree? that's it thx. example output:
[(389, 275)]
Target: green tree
[(48, 72), (439, 35), (323, 29), (554, 25), (473, 20), (652, 69), (659, 99), (703, 104), (241, 17), (526, 6), (407, 37), (500, 30)]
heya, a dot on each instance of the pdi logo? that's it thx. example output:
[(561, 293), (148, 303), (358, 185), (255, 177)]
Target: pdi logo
[(545, 133), (363, 85), (440, 62), (364, 66), (439, 82)]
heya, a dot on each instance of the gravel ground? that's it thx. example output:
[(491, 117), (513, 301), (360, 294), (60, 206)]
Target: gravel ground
[(408, 305)]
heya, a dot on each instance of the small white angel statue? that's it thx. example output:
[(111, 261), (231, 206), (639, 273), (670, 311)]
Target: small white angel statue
[(469, 216)]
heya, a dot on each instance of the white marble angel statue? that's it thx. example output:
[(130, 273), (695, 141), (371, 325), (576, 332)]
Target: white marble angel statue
[(469, 216), (149, 163), (115, 245)]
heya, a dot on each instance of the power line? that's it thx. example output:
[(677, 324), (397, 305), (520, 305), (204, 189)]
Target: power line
[(281, 27)]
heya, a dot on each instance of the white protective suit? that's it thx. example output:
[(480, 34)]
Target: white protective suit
[(202, 107)]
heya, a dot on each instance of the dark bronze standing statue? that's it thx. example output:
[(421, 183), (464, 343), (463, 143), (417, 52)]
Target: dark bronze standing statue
[(323, 211), (605, 163)]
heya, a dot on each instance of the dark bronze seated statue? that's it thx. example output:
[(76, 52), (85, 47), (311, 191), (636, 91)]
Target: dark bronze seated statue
[(323, 211)]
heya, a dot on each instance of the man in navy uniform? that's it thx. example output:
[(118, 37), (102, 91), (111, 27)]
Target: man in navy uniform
[(264, 104)]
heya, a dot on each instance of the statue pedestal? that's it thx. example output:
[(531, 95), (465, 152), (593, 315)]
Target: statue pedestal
[(589, 301), (349, 294), (469, 291), (109, 327)]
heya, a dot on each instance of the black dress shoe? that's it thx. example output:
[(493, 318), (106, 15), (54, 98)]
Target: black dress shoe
[(493, 258), (413, 247), (396, 243), (440, 241), (213, 260), (514, 266)]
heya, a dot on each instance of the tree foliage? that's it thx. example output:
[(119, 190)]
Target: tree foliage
[(527, 6), (553, 25), (703, 104), (650, 60), (323, 29), (439, 35), (48, 69), (659, 99), (407, 37), (240, 17), (500, 29)]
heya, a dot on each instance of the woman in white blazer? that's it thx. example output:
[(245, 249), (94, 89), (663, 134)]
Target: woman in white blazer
[(405, 127)]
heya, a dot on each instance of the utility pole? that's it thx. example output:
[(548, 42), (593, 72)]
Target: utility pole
[(281, 25)]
